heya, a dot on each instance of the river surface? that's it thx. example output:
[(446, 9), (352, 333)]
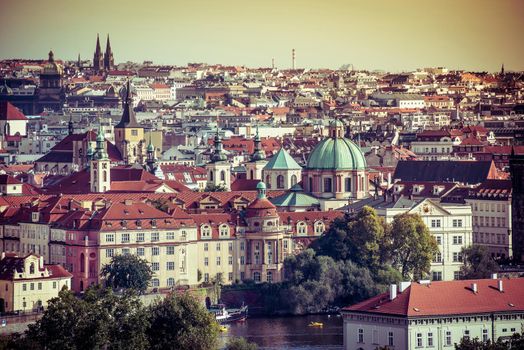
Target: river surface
[(290, 333)]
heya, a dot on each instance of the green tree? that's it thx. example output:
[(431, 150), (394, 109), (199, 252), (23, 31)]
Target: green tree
[(181, 322), (213, 188), (413, 245), (70, 323), (240, 344), (357, 238), (477, 263), (127, 272)]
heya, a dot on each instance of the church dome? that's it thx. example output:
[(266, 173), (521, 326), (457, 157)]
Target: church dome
[(336, 153), (51, 67)]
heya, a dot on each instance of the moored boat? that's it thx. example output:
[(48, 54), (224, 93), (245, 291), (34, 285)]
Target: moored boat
[(224, 315)]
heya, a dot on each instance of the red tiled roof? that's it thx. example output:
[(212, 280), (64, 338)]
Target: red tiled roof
[(448, 298), (10, 112)]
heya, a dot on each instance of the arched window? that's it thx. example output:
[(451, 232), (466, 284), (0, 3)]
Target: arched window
[(319, 228), (32, 268), (301, 228), (251, 174), (293, 180), (269, 277), (280, 181), (210, 175), (256, 276), (328, 184), (268, 181), (310, 184), (205, 231), (82, 263), (223, 175), (104, 175), (347, 184), (224, 230), (95, 174)]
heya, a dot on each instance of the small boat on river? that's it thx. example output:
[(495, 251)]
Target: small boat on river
[(316, 324), (224, 315)]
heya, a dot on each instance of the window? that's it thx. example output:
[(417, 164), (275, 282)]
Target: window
[(242, 246), (280, 181), (125, 251), (218, 261), (485, 336), (230, 276), (430, 339), (110, 253), (437, 258), (301, 228), (439, 240), (140, 237), (54, 285), (328, 184), (457, 257), (218, 247), (155, 282), (155, 236), (155, 266), (39, 285), (347, 182), (456, 275), (374, 336), (256, 276), (419, 340), (242, 260), (436, 275), (466, 334), (293, 180), (140, 251), (170, 282), (24, 287), (206, 261), (170, 250), (230, 260), (390, 339), (435, 223), (170, 235), (31, 286), (457, 240), (170, 265), (269, 277), (230, 247), (224, 230), (125, 238), (206, 277), (360, 336), (447, 340), (155, 251), (110, 237), (319, 228), (222, 175), (205, 231)]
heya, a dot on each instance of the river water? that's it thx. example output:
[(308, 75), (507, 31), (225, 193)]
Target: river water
[(290, 333)]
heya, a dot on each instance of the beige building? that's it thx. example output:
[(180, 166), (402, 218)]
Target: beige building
[(26, 283), (436, 315)]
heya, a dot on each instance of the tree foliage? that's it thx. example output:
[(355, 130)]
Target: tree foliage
[(516, 341), (477, 263), (127, 272), (240, 344), (413, 245), (181, 322)]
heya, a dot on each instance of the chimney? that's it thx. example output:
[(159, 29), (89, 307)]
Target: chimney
[(402, 286), (41, 262), (392, 291), (474, 288), (494, 276), (500, 286)]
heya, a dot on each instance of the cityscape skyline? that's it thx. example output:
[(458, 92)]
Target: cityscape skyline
[(381, 35)]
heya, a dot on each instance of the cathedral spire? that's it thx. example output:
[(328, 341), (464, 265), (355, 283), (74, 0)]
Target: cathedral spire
[(97, 57), (108, 56)]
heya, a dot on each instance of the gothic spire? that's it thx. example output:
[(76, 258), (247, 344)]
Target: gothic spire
[(98, 49), (108, 45), (128, 119)]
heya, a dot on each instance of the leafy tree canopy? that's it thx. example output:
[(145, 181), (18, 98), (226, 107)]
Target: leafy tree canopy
[(127, 272), (477, 263)]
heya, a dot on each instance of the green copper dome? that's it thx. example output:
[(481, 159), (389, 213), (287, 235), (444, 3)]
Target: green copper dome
[(336, 154)]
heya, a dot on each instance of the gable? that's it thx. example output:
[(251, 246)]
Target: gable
[(428, 208)]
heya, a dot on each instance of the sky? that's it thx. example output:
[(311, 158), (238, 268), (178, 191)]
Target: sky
[(393, 35)]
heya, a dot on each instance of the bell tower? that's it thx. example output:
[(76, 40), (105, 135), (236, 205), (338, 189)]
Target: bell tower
[(129, 135), (100, 167), (219, 169), (258, 160)]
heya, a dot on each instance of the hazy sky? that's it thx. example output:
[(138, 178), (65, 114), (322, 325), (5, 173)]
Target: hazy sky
[(371, 34)]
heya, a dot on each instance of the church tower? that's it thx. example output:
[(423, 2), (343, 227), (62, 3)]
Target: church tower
[(219, 169), (100, 167), (258, 160), (109, 62), (98, 60), (129, 135)]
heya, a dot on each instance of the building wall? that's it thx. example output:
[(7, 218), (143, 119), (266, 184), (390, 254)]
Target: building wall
[(492, 225)]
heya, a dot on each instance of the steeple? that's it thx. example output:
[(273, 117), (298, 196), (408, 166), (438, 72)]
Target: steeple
[(97, 57), (150, 155), (51, 56), (100, 150), (502, 69), (100, 166), (218, 155), (79, 62), (108, 56), (128, 119), (258, 153)]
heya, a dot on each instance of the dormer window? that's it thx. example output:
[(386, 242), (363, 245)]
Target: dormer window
[(32, 268)]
